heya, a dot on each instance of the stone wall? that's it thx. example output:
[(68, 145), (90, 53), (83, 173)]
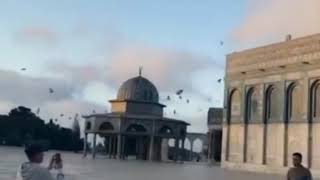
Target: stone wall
[(271, 106)]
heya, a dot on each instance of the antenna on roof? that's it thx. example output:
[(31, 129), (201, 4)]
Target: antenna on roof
[(140, 70)]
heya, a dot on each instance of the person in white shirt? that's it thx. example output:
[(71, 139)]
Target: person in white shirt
[(32, 170)]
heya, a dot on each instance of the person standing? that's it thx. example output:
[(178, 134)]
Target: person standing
[(298, 172), (56, 166), (32, 170)]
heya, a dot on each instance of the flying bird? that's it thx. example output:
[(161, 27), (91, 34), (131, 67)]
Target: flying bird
[(188, 101), (51, 90), (70, 118), (180, 91), (61, 115), (180, 97), (219, 80), (23, 69), (174, 112), (168, 98), (221, 43)]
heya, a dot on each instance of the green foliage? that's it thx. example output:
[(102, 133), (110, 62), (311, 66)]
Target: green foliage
[(22, 126)]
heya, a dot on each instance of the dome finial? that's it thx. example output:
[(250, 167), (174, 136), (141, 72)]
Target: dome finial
[(140, 70)]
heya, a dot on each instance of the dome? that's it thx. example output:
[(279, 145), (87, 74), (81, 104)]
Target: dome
[(138, 89)]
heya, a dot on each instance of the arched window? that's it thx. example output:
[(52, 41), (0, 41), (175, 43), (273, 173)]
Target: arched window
[(294, 102), (234, 106), (106, 126), (251, 105), (272, 108)]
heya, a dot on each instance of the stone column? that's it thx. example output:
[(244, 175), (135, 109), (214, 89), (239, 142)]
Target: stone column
[(210, 142), (176, 148), (182, 148), (123, 147), (94, 146), (85, 144), (141, 148), (119, 146), (151, 148), (110, 146), (114, 147)]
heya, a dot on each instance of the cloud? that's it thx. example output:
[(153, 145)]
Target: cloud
[(271, 20), (26, 90), (37, 35), (34, 93), (167, 69)]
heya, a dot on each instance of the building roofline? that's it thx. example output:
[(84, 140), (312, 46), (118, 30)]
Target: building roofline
[(135, 101)]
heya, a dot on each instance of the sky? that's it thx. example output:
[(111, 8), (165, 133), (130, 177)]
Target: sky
[(85, 50)]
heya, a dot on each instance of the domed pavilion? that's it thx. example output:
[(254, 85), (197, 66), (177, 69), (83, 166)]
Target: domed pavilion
[(136, 125)]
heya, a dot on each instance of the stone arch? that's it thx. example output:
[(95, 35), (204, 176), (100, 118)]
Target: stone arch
[(165, 130), (251, 113), (198, 144), (106, 126), (293, 133), (234, 105), (136, 128), (293, 102), (271, 104), (314, 143), (315, 100)]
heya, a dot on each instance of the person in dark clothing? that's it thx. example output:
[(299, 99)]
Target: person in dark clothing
[(298, 172)]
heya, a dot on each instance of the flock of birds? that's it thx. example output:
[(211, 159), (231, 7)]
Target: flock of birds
[(179, 94), (51, 91)]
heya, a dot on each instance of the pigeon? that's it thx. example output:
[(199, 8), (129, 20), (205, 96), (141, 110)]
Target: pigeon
[(180, 97), (61, 115), (168, 98), (180, 91), (174, 112), (188, 101)]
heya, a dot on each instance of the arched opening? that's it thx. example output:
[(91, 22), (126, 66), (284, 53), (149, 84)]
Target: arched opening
[(165, 130), (197, 150), (233, 115), (251, 106), (314, 143), (294, 105), (136, 142), (272, 112), (136, 128), (106, 126), (88, 125), (234, 106)]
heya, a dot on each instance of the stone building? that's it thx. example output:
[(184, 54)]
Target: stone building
[(136, 125), (272, 97), (215, 116)]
